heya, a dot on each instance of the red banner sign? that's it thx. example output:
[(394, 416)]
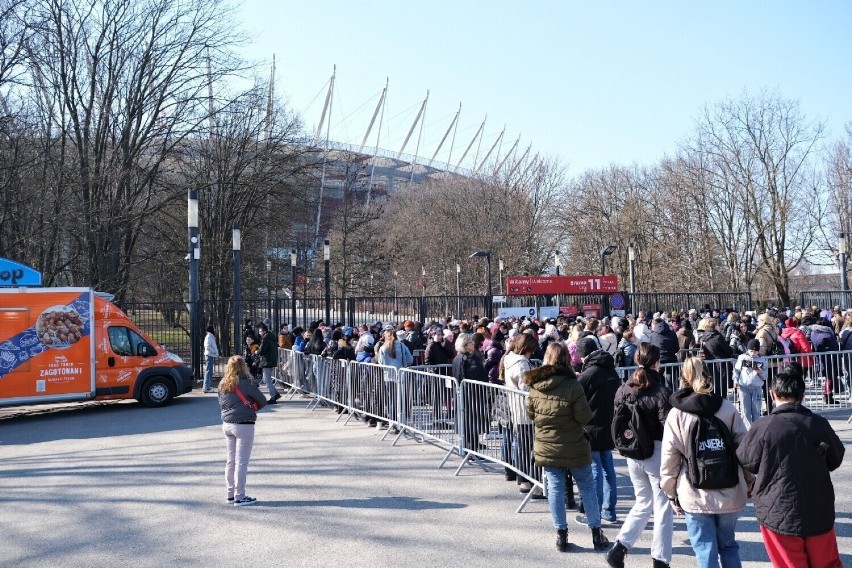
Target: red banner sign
[(544, 285)]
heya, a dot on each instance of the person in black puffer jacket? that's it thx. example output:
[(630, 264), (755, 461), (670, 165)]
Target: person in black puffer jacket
[(600, 381), (791, 453), (666, 341), (714, 346)]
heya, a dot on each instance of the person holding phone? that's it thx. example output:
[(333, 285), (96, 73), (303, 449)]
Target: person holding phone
[(749, 374)]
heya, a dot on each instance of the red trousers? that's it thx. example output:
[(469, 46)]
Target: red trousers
[(802, 552)]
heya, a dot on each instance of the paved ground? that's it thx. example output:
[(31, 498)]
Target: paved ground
[(121, 485)]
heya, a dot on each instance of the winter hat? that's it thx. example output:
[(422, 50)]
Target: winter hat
[(400, 334), (754, 344), (388, 327), (586, 346)]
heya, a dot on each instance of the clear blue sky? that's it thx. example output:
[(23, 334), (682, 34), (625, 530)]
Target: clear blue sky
[(592, 83)]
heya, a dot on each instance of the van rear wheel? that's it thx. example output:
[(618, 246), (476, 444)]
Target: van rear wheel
[(157, 391)]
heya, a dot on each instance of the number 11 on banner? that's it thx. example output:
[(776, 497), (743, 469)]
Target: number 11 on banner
[(594, 284)]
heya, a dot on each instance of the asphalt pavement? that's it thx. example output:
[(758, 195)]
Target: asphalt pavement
[(117, 484)]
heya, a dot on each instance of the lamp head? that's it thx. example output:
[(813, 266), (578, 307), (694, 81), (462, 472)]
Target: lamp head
[(236, 240)]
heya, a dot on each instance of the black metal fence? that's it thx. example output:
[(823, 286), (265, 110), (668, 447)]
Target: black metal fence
[(167, 322), (680, 301), (827, 299)]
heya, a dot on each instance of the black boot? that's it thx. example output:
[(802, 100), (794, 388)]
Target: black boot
[(659, 563), (562, 540), (599, 540), (615, 557)]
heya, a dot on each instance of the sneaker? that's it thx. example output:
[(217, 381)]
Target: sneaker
[(525, 487), (272, 400), (394, 430), (537, 493), (581, 519), (383, 426), (276, 397), (208, 391), (610, 523), (372, 423), (245, 501)]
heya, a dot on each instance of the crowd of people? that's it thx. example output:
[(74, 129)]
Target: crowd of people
[(575, 417)]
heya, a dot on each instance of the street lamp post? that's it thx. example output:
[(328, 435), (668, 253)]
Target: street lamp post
[(458, 290), (194, 258), (327, 256), (841, 249), (500, 267), (631, 257), (293, 289), (489, 308), (605, 252), (237, 247), (423, 278)]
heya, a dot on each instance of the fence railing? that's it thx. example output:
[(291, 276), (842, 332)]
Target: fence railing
[(486, 423)]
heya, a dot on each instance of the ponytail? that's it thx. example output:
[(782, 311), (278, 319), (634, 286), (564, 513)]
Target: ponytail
[(647, 357)]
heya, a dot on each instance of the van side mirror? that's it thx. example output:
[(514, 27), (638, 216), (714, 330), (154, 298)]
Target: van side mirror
[(146, 350)]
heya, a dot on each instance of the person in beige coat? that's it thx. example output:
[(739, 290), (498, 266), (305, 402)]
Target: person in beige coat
[(711, 514), (767, 334)]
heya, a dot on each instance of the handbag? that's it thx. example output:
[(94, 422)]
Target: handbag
[(250, 403)]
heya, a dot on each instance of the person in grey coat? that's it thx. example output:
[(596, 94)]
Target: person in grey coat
[(239, 401)]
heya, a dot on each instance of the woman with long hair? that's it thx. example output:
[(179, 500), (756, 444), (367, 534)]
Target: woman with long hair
[(647, 391), (559, 409), (711, 514), (393, 353), (239, 401)]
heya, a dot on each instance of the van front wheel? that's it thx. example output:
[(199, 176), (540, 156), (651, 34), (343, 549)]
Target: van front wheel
[(156, 391)]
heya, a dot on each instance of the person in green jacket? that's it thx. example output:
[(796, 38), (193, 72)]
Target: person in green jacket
[(559, 409)]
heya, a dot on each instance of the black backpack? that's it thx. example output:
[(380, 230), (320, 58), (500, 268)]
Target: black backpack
[(711, 455), (631, 435)]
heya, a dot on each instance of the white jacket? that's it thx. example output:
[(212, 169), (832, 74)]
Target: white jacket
[(210, 347), (514, 368)]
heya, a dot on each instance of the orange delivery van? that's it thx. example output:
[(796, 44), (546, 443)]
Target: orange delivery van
[(69, 344)]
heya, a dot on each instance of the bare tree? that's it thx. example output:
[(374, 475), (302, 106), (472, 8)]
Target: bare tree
[(765, 149), (130, 77)]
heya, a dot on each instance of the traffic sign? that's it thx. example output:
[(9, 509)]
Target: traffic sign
[(616, 301)]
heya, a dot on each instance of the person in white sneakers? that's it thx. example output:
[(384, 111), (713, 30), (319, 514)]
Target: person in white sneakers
[(211, 351), (239, 401)]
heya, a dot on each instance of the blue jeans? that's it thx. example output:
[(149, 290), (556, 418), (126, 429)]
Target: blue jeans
[(713, 539), (208, 373), (602, 466), (556, 494)]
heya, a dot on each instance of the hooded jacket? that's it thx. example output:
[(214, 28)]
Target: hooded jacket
[(515, 368), (823, 338), (767, 334), (559, 409), (600, 381), (673, 477), (666, 340), (792, 493), (800, 343)]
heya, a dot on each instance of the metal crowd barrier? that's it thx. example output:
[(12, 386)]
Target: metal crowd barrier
[(429, 405), (373, 391), (487, 424)]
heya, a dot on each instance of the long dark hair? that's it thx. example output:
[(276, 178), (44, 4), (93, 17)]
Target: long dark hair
[(647, 355)]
